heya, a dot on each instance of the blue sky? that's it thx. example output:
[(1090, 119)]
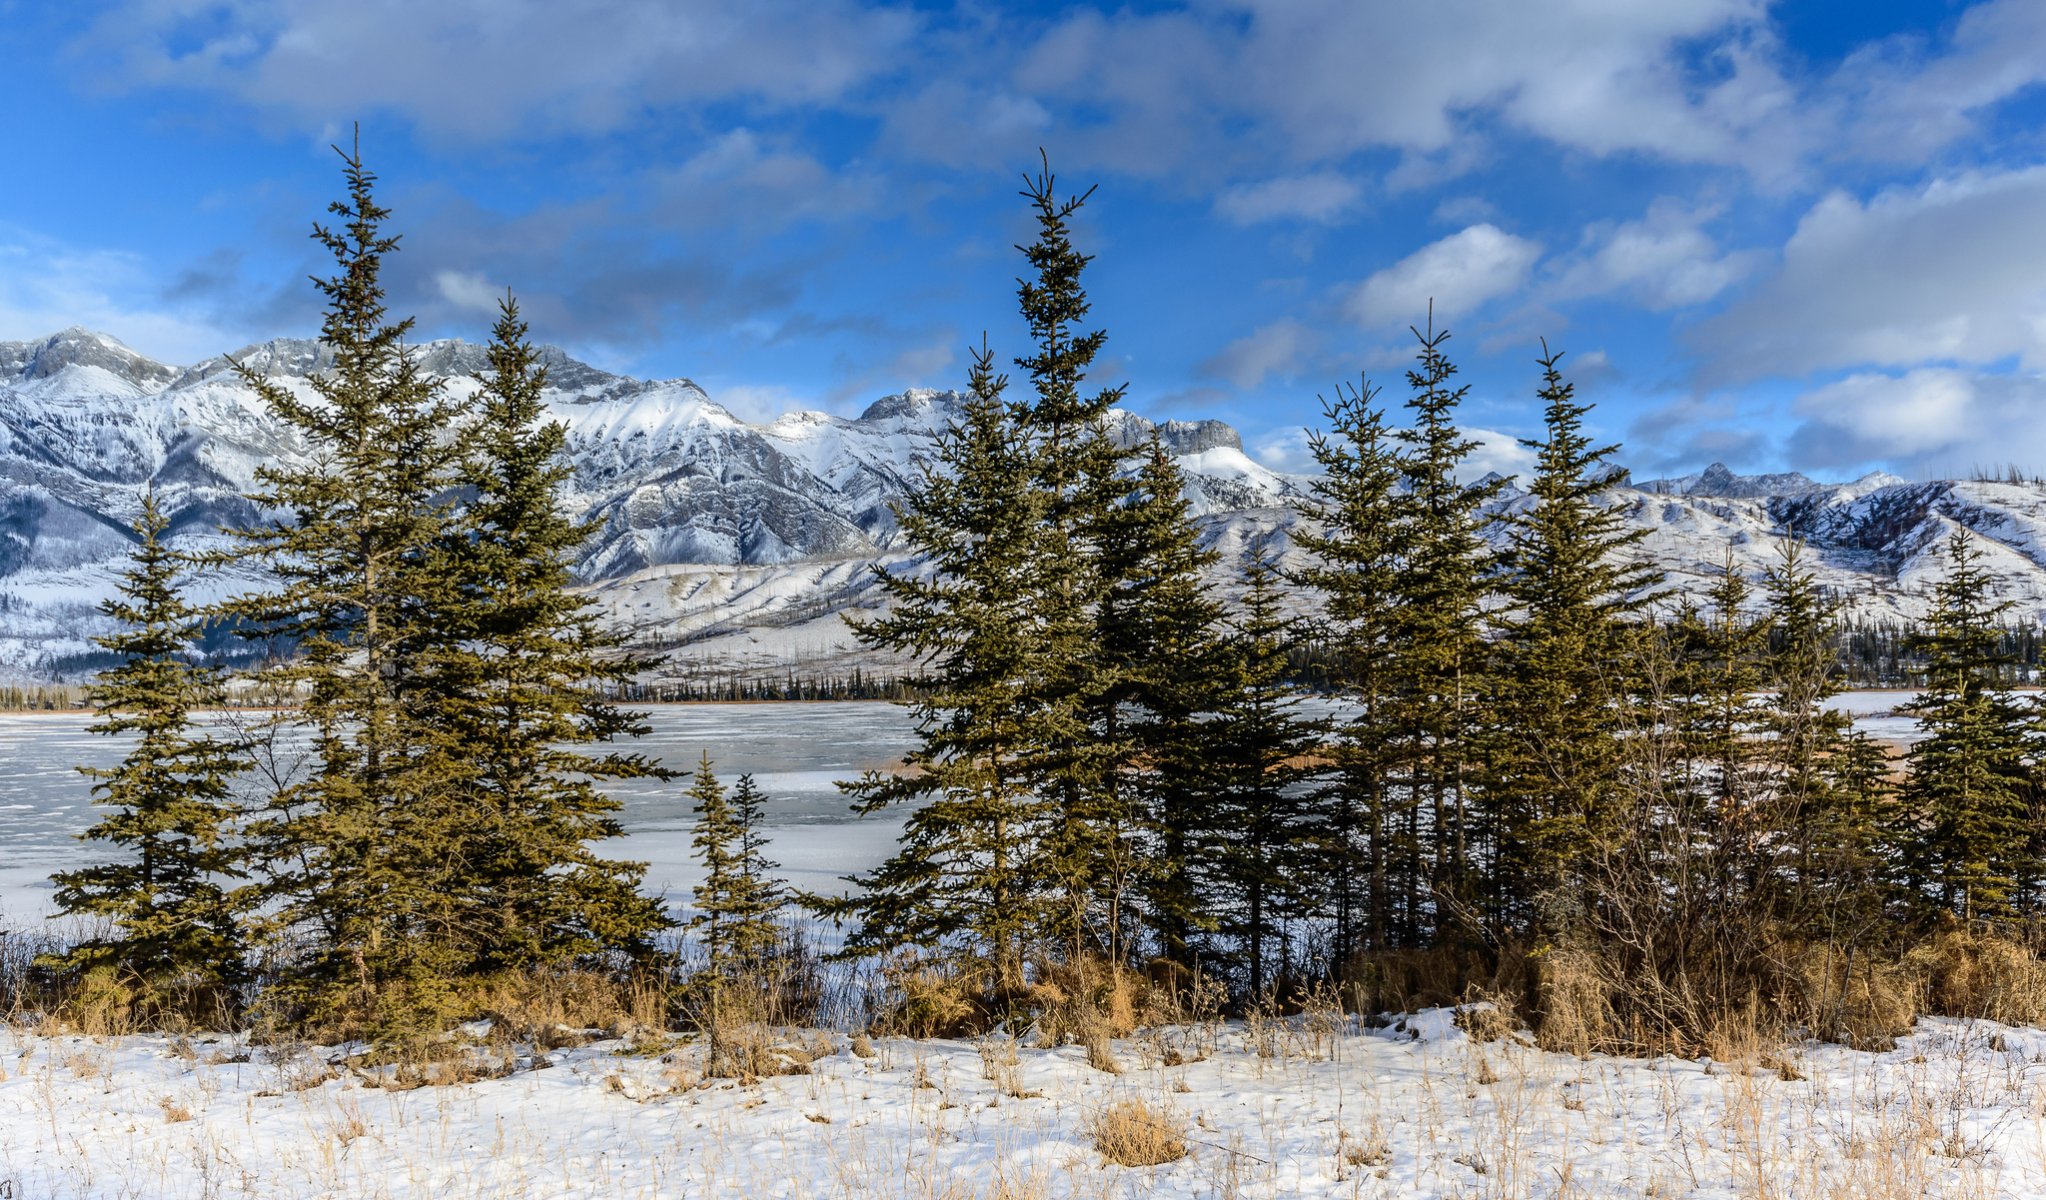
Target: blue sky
[(1802, 235)]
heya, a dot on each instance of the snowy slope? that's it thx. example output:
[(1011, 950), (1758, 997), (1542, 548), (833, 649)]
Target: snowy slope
[(739, 544)]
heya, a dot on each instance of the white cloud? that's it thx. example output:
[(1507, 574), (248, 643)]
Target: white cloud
[(468, 290), (1664, 260), (1460, 273), (759, 403), (1902, 100), (741, 181), (1934, 421), (1323, 197), (1495, 452), (1930, 422), (1285, 450), (1222, 88), (1954, 270), (491, 69), (1274, 349), (46, 285)]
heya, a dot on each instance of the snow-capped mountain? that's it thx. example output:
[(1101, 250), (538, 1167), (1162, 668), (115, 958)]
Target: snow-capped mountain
[(739, 545)]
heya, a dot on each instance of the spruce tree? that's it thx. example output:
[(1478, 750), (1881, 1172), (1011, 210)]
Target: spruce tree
[(1356, 540), (1161, 637), (1445, 573), (1831, 779), (172, 941), (515, 682), (738, 900), (1256, 863), (964, 881), (360, 853), (1965, 840), (1075, 747), (1554, 779)]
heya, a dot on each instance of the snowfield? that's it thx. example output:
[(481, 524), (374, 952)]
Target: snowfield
[(1412, 1109)]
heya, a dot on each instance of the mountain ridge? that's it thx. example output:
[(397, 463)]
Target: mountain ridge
[(743, 544)]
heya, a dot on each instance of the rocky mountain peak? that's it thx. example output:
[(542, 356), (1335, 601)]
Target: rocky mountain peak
[(43, 358)]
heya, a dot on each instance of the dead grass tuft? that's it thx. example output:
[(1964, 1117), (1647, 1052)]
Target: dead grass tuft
[(1131, 1133), (1981, 975)]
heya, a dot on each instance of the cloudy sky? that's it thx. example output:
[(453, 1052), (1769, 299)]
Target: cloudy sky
[(1806, 235)]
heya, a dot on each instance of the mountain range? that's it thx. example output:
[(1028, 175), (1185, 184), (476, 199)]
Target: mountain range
[(738, 547)]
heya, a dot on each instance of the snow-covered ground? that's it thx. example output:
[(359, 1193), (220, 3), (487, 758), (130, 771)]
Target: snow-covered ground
[(1412, 1110)]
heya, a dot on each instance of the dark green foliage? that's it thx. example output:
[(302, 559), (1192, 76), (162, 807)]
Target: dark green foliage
[(738, 901), (359, 852), (1161, 634), (1356, 543), (1966, 836), (1564, 677), (1832, 781), (1077, 751), (1256, 863), (965, 875), (1444, 573), (172, 942), (515, 682)]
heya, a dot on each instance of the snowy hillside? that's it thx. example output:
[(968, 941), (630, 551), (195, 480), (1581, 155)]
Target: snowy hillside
[(738, 544)]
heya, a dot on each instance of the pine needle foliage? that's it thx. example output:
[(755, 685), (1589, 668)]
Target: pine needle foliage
[(1355, 541), (1445, 572), (964, 880), (361, 854), (1966, 837), (1256, 861), (516, 687), (738, 901), (1555, 770), (172, 943)]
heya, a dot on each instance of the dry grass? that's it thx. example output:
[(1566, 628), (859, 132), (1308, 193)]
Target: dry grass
[(1971, 975), (1131, 1133)]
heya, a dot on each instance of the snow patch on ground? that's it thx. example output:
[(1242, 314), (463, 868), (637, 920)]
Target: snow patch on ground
[(1413, 1109)]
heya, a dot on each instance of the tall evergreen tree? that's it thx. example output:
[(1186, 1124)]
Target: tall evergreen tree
[(1161, 634), (1445, 573), (357, 849), (171, 939), (1076, 745), (1257, 862), (515, 684), (1356, 541), (1966, 840), (964, 880), (1831, 779), (1554, 779)]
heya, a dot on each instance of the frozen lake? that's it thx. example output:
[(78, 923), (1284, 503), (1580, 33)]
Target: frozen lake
[(796, 753)]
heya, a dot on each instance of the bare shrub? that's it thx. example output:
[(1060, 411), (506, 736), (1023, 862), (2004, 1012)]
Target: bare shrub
[(1574, 1014), (1131, 1133), (1087, 1000), (923, 999), (1971, 974), (1487, 1020)]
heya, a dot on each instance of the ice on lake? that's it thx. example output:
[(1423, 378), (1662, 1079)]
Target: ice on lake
[(796, 753)]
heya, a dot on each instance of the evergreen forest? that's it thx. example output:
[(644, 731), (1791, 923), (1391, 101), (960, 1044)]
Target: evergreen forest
[(1527, 770)]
